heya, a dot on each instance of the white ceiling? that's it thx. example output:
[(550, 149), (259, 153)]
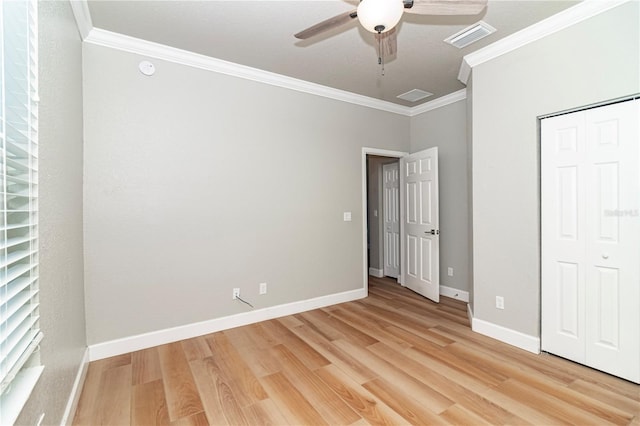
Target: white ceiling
[(259, 34)]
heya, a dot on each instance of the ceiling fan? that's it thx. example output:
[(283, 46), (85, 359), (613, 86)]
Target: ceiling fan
[(381, 17)]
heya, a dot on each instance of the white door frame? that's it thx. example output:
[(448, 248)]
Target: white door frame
[(383, 153)]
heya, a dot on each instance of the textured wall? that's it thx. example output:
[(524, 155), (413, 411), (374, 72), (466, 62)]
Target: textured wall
[(60, 190), (197, 182), (595, 60), (446, 128)]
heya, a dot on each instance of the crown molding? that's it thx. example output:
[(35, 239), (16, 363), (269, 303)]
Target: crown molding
[(129, 44), (159, 51), (439, 102), (568, 17), (465, 71), (81, 12)]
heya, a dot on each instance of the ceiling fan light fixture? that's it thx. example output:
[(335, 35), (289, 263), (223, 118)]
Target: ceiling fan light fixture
[(380, 16)]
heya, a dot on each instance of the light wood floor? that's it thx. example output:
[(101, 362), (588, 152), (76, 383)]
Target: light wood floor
[(392, 358)]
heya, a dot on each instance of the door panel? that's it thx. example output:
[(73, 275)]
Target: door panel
[(568, 297), (420, 251), (563, 236), (613, 243), (607, 312)]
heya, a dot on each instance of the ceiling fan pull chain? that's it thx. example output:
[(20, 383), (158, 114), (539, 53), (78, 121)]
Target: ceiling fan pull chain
[(381, 55)]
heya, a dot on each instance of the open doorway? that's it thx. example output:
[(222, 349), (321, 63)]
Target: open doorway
[(375, 251), (418, 260)]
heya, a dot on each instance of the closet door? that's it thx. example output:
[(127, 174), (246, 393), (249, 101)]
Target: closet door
[(591, 237), (564, 260), (612, 321)]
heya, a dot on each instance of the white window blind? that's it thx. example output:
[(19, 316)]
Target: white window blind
[(19, 312)]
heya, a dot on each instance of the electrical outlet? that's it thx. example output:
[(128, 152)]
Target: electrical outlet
[(263, 288), (450, 271), (236, 293), (499, 302)]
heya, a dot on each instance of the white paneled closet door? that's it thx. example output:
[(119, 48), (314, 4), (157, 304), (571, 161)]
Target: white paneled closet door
[(591, 237)]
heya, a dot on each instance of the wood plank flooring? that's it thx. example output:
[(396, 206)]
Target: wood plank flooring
[(392, 358)]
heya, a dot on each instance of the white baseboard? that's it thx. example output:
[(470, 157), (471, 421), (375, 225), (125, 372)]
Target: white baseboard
[(174, 334), (378, 273), (454, 293), (506, 335), (76, 390)]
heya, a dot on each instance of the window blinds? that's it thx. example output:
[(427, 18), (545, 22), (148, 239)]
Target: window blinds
[(19, 313)]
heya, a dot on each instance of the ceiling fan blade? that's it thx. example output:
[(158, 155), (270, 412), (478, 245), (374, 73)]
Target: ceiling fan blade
[(445, 7), (388, 42), (327, 25)]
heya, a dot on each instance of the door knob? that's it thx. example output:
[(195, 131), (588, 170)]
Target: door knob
[(605, 256), (432, 232)]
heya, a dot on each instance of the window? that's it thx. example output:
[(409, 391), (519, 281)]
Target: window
[(19, 312)]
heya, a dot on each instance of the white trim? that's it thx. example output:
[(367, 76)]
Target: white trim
[(564, 19), (506, 335), (378, 273), (15, 398), (465, 71), (174, 334), (384, 153), (470, 314), (129, 44), (440, 102), (76, 390), (454, 293), (81, 12), (142, 47)]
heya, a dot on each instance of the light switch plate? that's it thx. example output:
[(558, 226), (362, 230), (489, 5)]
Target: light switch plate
[(347, 216)]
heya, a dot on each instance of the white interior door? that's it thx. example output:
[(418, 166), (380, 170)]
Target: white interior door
[(563, 236), (390, 213), (420, 251), (591, 237)]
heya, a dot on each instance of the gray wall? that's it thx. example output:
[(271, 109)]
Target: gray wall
[(61, 264), (197, 182), (593, 61), (446, 128)]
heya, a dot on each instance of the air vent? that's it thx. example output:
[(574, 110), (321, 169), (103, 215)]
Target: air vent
[(470, 34), (414, 95)]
